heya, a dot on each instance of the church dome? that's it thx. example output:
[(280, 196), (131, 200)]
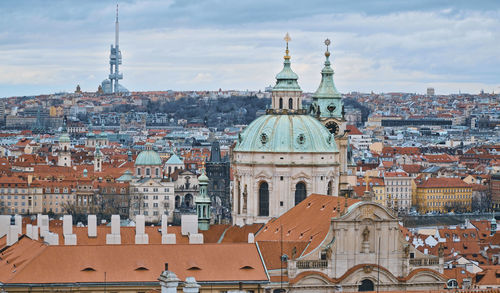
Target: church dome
[(148, 158), (64, 138), (286, 133)]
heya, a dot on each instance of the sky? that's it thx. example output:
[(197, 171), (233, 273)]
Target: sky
[(377, 45)]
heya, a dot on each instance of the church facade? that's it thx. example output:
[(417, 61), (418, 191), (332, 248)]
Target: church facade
[(337, 244), (290, 152)]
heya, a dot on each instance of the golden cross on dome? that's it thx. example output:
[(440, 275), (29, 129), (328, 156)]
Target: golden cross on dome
[(287, 38)]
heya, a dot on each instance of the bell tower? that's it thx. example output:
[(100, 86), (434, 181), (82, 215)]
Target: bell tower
[(328, 108)]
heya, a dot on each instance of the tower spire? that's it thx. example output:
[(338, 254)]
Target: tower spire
[(327, 100), (287, 39)]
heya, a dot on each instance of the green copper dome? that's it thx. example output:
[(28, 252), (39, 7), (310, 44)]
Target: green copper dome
[(203, 179), (286, 134), (148, 158), (64, 138)]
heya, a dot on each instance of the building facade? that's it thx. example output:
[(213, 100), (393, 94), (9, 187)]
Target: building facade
[(443, 195), (282, 156)]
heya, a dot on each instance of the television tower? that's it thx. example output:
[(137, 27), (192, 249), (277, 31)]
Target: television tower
[(115, 59)]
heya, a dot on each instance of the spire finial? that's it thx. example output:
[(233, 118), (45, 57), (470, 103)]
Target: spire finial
[(116, 12), (287, 39), (327, 43)]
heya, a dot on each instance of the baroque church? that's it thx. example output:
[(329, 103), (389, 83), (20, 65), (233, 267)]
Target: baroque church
[(291, 152)]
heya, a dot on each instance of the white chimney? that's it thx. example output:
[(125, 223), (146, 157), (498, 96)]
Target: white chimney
[(4, 225), (43, 224), (12, 235), (92, 226), (140, 236), (52, 238), (168, 239), (164, 224), (69, 237), (189, 224), (29, 231), (168, 281), (18, 220), (67, 224), (114, 237), (34, 233), (251, 238), (190, 286), (196, 238), (165, 237)]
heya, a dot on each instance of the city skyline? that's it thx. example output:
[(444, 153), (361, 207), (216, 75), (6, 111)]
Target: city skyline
[(380, 46)]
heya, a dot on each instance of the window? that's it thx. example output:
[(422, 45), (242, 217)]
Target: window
[(281, 103), (300, 192), (329, 190), (147, 172), (290, 103), (264, 199), (139, 171), (155, 205)]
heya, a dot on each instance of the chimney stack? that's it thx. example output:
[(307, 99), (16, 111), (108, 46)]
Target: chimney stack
[(190, 286), (43, 224), (189, 224), (69, 237), (165, 237), (92, 226), (12, 235), (18, 220), (251, 238), (140, 234), (114, 237), (4, 225), (168, 281)]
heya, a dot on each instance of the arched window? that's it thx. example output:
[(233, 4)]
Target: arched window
[(330, 188), (148, 172), (188, 200), (177, 201), (264, 199), (300, 192), (157, 172), (290, 103), (366, 285), (281, 103), (138, 171)]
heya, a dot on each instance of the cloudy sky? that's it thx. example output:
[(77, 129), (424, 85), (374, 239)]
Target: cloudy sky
[(378, 45)]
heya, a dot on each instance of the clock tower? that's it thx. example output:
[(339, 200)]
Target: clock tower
[(328, 108)]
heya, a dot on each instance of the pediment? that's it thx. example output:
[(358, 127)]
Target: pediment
[(367, 210), (263, 174), (301, 175)]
